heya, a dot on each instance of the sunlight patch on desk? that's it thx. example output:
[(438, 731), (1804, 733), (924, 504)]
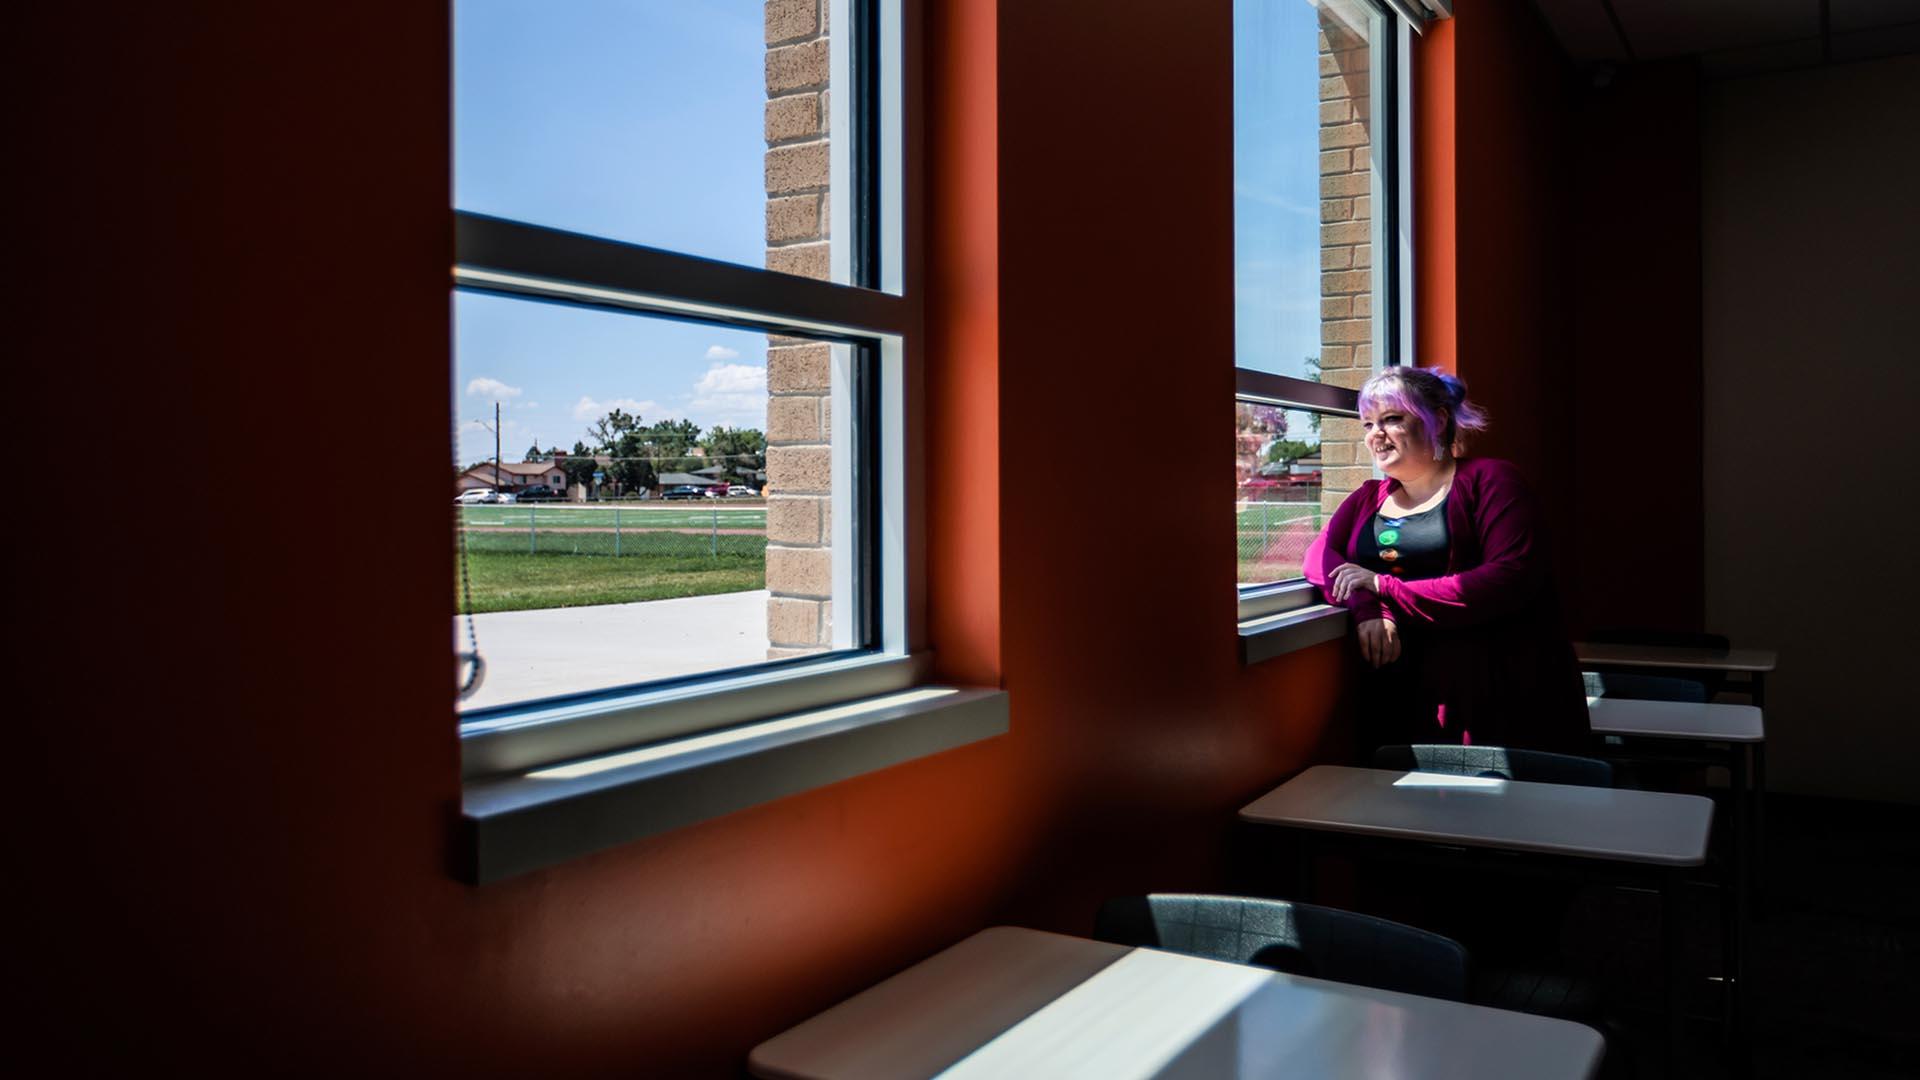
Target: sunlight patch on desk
[(1131, 1020), (593, 766), (1449, 782)]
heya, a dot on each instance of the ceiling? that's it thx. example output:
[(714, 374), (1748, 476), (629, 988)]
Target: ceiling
[(1733, 37)]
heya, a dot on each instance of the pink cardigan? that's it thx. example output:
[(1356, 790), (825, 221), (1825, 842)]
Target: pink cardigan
[(1486, 635)]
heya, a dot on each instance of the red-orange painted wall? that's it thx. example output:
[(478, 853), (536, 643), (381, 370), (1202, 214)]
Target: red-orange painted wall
[(1435, 213), (239, 226)]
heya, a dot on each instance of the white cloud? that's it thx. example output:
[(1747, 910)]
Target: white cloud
[(731, 394), (727, 381), (588, 409), (492, 388), (721, 352)]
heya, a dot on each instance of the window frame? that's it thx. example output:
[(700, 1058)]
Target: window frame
[(1278, 617), (879, 313)]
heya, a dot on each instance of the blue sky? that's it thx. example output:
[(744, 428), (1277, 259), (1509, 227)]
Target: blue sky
[(1276, 184), (638, 120), (641, 120)]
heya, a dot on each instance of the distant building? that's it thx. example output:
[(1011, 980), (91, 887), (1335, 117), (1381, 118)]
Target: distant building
[(513, 475)]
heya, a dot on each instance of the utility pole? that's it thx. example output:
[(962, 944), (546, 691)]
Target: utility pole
[(496, 446)]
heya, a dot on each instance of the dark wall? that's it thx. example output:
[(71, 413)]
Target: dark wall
[(1558, 245), (1636, 349), (1512, 105), (242, 770), (1811, 242), (1493, 102)]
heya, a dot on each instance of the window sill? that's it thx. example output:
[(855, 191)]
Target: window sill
[(1276, 635), (516, 823)]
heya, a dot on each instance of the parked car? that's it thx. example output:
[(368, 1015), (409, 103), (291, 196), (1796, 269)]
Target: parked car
[(475, 495), (740, 491), (537, 493), (683, 491), (715, 491)]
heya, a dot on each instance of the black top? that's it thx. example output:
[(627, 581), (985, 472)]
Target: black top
[(1411, 547)]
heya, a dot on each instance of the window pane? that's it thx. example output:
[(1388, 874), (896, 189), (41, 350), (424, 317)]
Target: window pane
[(642, 498), (1305, 185), (1278, 501), (693, 127)]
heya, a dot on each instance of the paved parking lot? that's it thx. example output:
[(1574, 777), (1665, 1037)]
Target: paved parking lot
[(535, 654)]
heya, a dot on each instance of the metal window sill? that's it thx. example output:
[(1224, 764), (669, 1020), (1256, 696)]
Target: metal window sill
[(1276, 635), (516, 823)]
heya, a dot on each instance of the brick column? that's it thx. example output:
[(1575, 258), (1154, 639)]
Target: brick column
[(1346, 248), (799, 448)]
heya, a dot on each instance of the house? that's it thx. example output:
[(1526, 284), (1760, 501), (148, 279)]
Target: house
[(237, 238), (513, 475)]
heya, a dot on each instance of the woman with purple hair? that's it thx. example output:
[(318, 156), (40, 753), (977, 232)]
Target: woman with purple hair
[(1444, 572)]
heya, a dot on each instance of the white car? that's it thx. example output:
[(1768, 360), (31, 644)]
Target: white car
[(741, 491), (476, 495)]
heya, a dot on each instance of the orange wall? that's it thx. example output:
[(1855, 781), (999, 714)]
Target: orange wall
[(240, 227)]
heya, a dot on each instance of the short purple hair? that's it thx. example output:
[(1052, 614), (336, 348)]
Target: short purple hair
[(1423, 393)]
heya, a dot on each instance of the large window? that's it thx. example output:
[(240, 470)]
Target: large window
[(683, 341), (1317, 252)]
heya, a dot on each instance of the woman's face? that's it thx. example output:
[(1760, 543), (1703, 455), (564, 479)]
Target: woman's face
[(1395, 439)]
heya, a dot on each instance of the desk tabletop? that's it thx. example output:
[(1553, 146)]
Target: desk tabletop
[(1558, 819), (1676, 720), (1009, 1002), (1670, 657)]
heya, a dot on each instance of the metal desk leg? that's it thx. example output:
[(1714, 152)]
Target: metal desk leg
[(1757, 803), (1303, 856), (1672, 937), (1733, 911)]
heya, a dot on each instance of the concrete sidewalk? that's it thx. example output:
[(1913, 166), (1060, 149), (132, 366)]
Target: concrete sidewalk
[(536, 654)]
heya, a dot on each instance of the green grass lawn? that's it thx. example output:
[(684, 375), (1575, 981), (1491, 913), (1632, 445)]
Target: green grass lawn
[(517, 581), (571, 563)]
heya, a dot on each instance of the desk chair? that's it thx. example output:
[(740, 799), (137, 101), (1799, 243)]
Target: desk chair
[(1517, 982), (1657, 687), (1301, 939), (1534, 766)]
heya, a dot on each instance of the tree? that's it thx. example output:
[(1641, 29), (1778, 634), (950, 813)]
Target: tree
[(669, 445), (741, 451), (1256, 427), (640, 452), (1313, 375), (1288, 451), (607, 430), (580, 466), (534, 453), (630, 467)]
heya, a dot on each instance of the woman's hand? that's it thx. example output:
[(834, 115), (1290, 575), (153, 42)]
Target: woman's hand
[(1379, 641), (1348, 577)]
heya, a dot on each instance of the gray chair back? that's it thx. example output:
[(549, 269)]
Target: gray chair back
[(1302, 939), (1535, 766)]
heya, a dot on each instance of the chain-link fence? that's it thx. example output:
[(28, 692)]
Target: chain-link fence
[(1274, 535), (718, 531)]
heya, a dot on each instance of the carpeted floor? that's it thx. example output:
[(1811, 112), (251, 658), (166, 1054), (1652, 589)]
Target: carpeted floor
[(1833, 955)]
